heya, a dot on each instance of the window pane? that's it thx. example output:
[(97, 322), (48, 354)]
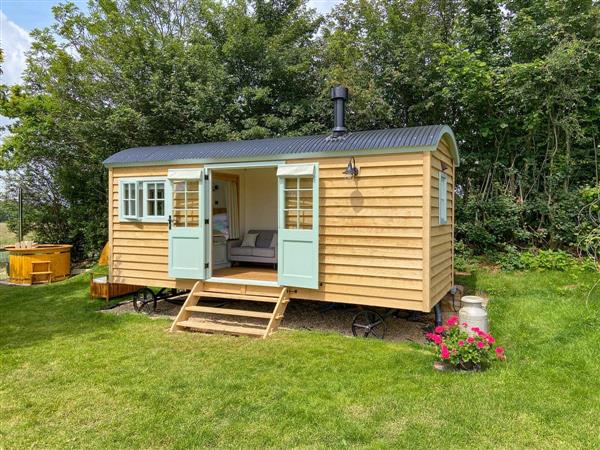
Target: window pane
[(151, 211), (193, 219), (160, 190), (151, 191), (305, 219), (306, 199), (291, 183), (306, 183), (290, 219), (291, 200), (132, 207), (125, 207), (178, 218), (160, 207)]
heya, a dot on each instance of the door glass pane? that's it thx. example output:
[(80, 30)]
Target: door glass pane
[(291, 183), (291, 199), (186, 204), (291, 219), (305, 183), (298, 203), (305, 219)]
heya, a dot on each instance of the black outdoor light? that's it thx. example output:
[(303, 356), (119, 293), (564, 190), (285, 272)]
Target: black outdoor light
[(444, 166), (351, 171)]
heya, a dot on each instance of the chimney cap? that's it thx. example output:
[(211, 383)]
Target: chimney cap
[(339, 92)]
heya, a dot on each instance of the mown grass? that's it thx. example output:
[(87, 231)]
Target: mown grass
[(73, 377)]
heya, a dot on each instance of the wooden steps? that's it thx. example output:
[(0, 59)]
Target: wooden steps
[(44, 271), (186, 320), (212, 327)]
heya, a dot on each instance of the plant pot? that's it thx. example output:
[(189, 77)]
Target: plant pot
[(441, 366), (469, 366)]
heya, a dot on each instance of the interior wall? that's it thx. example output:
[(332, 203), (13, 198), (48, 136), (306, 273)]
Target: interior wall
[(259, 199)]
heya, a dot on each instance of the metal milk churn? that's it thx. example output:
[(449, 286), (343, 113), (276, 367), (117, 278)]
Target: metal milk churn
[(472, 313)]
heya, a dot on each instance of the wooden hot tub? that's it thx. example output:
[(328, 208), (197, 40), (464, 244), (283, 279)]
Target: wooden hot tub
[(40, 264)]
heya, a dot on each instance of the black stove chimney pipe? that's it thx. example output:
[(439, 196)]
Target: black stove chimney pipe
[(339, 95)]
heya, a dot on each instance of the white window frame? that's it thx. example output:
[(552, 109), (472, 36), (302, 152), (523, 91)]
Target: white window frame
[(156, 200), (141, 198), (443, 198)]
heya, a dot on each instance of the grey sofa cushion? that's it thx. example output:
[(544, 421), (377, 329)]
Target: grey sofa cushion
[(241, 251), (263, 252), (264, 238)]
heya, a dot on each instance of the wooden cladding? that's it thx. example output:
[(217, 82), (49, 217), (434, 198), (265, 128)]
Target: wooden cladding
[(372, 247), (441, 240)]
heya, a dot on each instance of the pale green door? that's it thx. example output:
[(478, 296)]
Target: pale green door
[(187, 226), (298, 231)]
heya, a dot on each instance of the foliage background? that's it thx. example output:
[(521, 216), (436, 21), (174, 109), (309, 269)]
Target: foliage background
[(516, 80)]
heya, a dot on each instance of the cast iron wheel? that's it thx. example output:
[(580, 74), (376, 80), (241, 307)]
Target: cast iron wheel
[(368, 324), (144, 301)]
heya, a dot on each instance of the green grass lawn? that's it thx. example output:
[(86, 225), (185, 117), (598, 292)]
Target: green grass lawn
[(73, 377)]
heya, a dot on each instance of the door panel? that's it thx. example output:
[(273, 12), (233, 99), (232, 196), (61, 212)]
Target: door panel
[(186, 229), (298, 233)]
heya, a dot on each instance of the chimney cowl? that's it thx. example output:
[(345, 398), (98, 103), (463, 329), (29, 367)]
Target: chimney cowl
[(339, 95)]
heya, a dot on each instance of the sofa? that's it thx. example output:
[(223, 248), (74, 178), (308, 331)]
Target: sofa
[(261, 253)]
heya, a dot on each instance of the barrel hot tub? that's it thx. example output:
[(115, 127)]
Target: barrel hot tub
[(40, 264)]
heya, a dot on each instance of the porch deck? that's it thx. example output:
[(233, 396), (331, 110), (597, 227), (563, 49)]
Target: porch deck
[(247, 273)]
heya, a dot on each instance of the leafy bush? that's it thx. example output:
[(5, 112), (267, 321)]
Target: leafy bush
[(555, 260), (463, 257)]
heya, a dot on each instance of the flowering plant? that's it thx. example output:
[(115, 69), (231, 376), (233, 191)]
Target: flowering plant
[(454, 345)]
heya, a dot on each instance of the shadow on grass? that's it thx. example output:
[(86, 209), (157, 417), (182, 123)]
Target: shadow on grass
[(30, 314)]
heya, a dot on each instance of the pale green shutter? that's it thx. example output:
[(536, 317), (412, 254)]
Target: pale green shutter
[(298, 231)]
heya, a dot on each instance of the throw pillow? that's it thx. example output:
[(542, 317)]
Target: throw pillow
[(273, 241), (250, 240)]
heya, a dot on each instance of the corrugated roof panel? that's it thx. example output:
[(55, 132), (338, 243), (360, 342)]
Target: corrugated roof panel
[(373, 140)]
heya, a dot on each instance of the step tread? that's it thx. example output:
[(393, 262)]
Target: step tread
[(228, 295), (41, 273), (230, 312), (41, 262), (222, 328)]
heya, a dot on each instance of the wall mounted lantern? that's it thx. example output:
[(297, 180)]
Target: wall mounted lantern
[(444, 166), (351, 171)]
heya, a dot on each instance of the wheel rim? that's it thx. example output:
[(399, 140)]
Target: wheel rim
[(368, 324)]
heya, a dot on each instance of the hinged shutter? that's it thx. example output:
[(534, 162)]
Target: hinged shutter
[(187, 224), (298, 225)]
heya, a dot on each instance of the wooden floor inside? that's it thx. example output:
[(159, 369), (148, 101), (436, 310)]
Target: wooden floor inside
[(247, 273)]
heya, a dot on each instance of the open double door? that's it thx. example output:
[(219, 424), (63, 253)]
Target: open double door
[(190, 224)]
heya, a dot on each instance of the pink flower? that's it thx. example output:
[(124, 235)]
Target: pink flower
[(482, 334), (436, 338), (461, 343), (445, 354), (439, 329), (465, 324), (452, 321), (475, 329), (480, 344), (500, 353), (490, 339), (470, 339)]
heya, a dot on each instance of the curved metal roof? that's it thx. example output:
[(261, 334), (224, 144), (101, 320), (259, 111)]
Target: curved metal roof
[(424, 138)]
